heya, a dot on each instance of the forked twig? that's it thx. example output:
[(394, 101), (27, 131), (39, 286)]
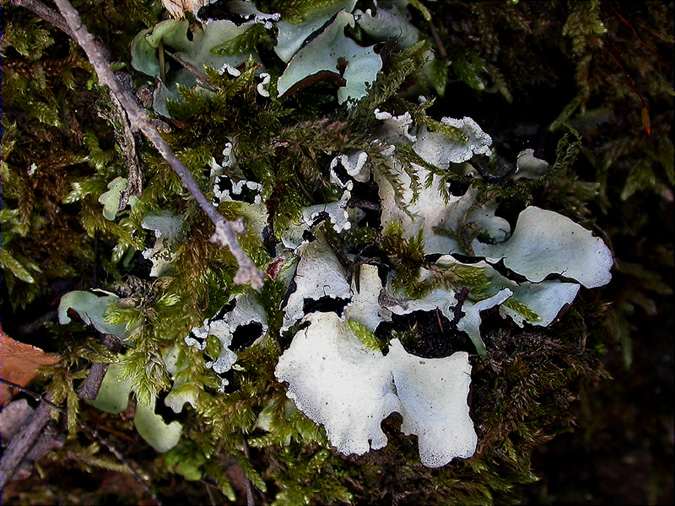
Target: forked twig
[(225, 231), (22, 442)]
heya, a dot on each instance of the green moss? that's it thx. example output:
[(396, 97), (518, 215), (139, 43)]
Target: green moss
[(368, 338), (522, 309)]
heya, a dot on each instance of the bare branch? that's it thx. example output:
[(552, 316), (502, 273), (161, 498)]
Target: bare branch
[(126, 140), (88, 389), (15, 453), (192, 69), (442, 52), (24, 441), (250, 501), (225, 232)]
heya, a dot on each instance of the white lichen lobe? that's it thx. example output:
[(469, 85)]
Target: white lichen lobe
[(349, 389), (545, 242)]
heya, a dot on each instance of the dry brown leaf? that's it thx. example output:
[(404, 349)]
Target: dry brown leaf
[(19, 363), (178, 8)]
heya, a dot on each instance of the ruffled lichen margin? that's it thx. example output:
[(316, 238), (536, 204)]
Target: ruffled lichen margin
[(59, 164)]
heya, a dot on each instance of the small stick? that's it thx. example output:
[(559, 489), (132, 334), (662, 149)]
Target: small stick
[(88, 389), (6, 471), (21, 443), (126, 140), (250, 501), (225, 231), (443, 53), (199, 75), (31, 394)]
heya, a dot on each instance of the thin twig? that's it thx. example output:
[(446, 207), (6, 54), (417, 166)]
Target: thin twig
[(88, 390), (21, 443), (31, 394), (126, 139), (8, 466), (250, 501), (208, 486), (442, 52), (192, 69), (142, 480), (225, 231)]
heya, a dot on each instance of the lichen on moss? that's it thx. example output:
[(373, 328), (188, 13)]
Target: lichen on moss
[(606, 138)]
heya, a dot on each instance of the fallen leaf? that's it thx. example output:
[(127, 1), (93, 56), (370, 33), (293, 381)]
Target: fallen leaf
[(19, 363)]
